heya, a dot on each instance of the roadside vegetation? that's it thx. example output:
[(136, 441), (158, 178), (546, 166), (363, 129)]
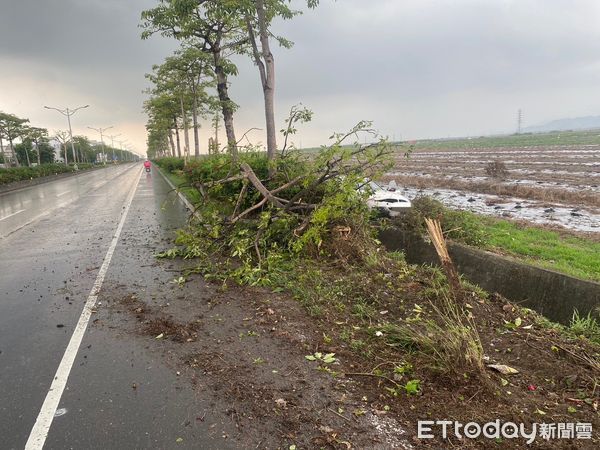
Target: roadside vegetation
[(26, 146), (551, 249), (14, 174), (403, 330)]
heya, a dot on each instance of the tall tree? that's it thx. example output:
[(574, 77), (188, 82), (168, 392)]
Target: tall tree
[(163, 111), (258, 16), (214, 28), (63, 137), (37, 136), (12, 128)]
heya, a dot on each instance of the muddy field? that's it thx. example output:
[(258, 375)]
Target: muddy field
[(557, 185)]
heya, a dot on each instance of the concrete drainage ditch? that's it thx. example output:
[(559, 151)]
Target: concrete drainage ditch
[(552, 294)]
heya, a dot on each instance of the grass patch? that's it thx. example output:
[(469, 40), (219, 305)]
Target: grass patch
[(544, 248), (181, 183), (586, 326), (582, 137), (568, 254)]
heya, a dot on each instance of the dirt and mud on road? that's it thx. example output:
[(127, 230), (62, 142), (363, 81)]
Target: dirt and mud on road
[(244, 352)]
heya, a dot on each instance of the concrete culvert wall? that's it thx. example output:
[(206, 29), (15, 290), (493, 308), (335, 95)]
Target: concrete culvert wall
[(552, 294)]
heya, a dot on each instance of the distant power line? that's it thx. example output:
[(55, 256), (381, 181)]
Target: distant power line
[(519, 120)]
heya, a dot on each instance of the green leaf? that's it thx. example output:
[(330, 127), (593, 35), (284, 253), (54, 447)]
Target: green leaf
[(413, 387)]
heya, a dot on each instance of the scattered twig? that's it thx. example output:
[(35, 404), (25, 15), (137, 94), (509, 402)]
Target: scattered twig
[(585, 359), (338, 414), (360, 374)]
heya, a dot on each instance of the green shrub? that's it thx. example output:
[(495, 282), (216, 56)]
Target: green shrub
[(462, 226), (14, 174), (586, 326), (170, 164)]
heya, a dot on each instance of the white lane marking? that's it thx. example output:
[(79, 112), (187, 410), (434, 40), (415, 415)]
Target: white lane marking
[(60, 205), (38, 434), (13, 214), (62, 193)]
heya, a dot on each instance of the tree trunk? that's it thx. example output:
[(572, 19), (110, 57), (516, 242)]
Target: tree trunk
[(268, 80), (226, 105), (196, 126), (178, 141), (14, 153), (39, 158), (172, 143), (2, 152), (186, 131), (216, 143)]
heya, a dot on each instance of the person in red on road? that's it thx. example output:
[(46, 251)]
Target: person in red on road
[(147, 164)]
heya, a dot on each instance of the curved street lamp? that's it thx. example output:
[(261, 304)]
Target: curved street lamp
[(68, 113)]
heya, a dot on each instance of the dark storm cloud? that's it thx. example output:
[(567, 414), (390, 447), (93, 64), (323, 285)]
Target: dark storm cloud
[(407, 55), (73, 33), (416, 67), (88, 51)]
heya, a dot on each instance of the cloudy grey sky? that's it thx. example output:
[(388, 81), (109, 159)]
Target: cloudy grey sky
[(417, 68)]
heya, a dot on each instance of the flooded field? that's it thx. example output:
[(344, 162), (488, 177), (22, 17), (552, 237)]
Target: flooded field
[(557, 185)]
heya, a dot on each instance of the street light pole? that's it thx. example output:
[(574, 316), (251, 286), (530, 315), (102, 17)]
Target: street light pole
[(121, 147), (69, 112), (112, 144), (101, 131)]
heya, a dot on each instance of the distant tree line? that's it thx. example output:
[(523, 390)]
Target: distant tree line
[(193, 83), (24, 145)]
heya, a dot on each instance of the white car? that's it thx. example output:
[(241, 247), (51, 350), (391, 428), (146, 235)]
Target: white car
[(386, 201), (390, 203)]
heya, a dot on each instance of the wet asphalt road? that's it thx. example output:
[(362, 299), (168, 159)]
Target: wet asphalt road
[(53, 239)]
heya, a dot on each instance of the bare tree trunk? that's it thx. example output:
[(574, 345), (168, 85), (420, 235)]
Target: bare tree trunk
[(178, 141), (186, 131), (37, 149), (2, 151), (172, 143), (226, 104), (216, 143), (269, 81), (14, 153), (196, 126)]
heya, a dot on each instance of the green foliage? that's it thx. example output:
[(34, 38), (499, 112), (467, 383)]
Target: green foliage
[(586, 326), (413, 387), (573, 255), (326, 358), (170, 164), (580, 137), (461, 226), (448, 337)]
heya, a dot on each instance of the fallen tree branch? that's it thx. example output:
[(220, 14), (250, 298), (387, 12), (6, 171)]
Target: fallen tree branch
[(248, 211), (240, 198), (259, 186)]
